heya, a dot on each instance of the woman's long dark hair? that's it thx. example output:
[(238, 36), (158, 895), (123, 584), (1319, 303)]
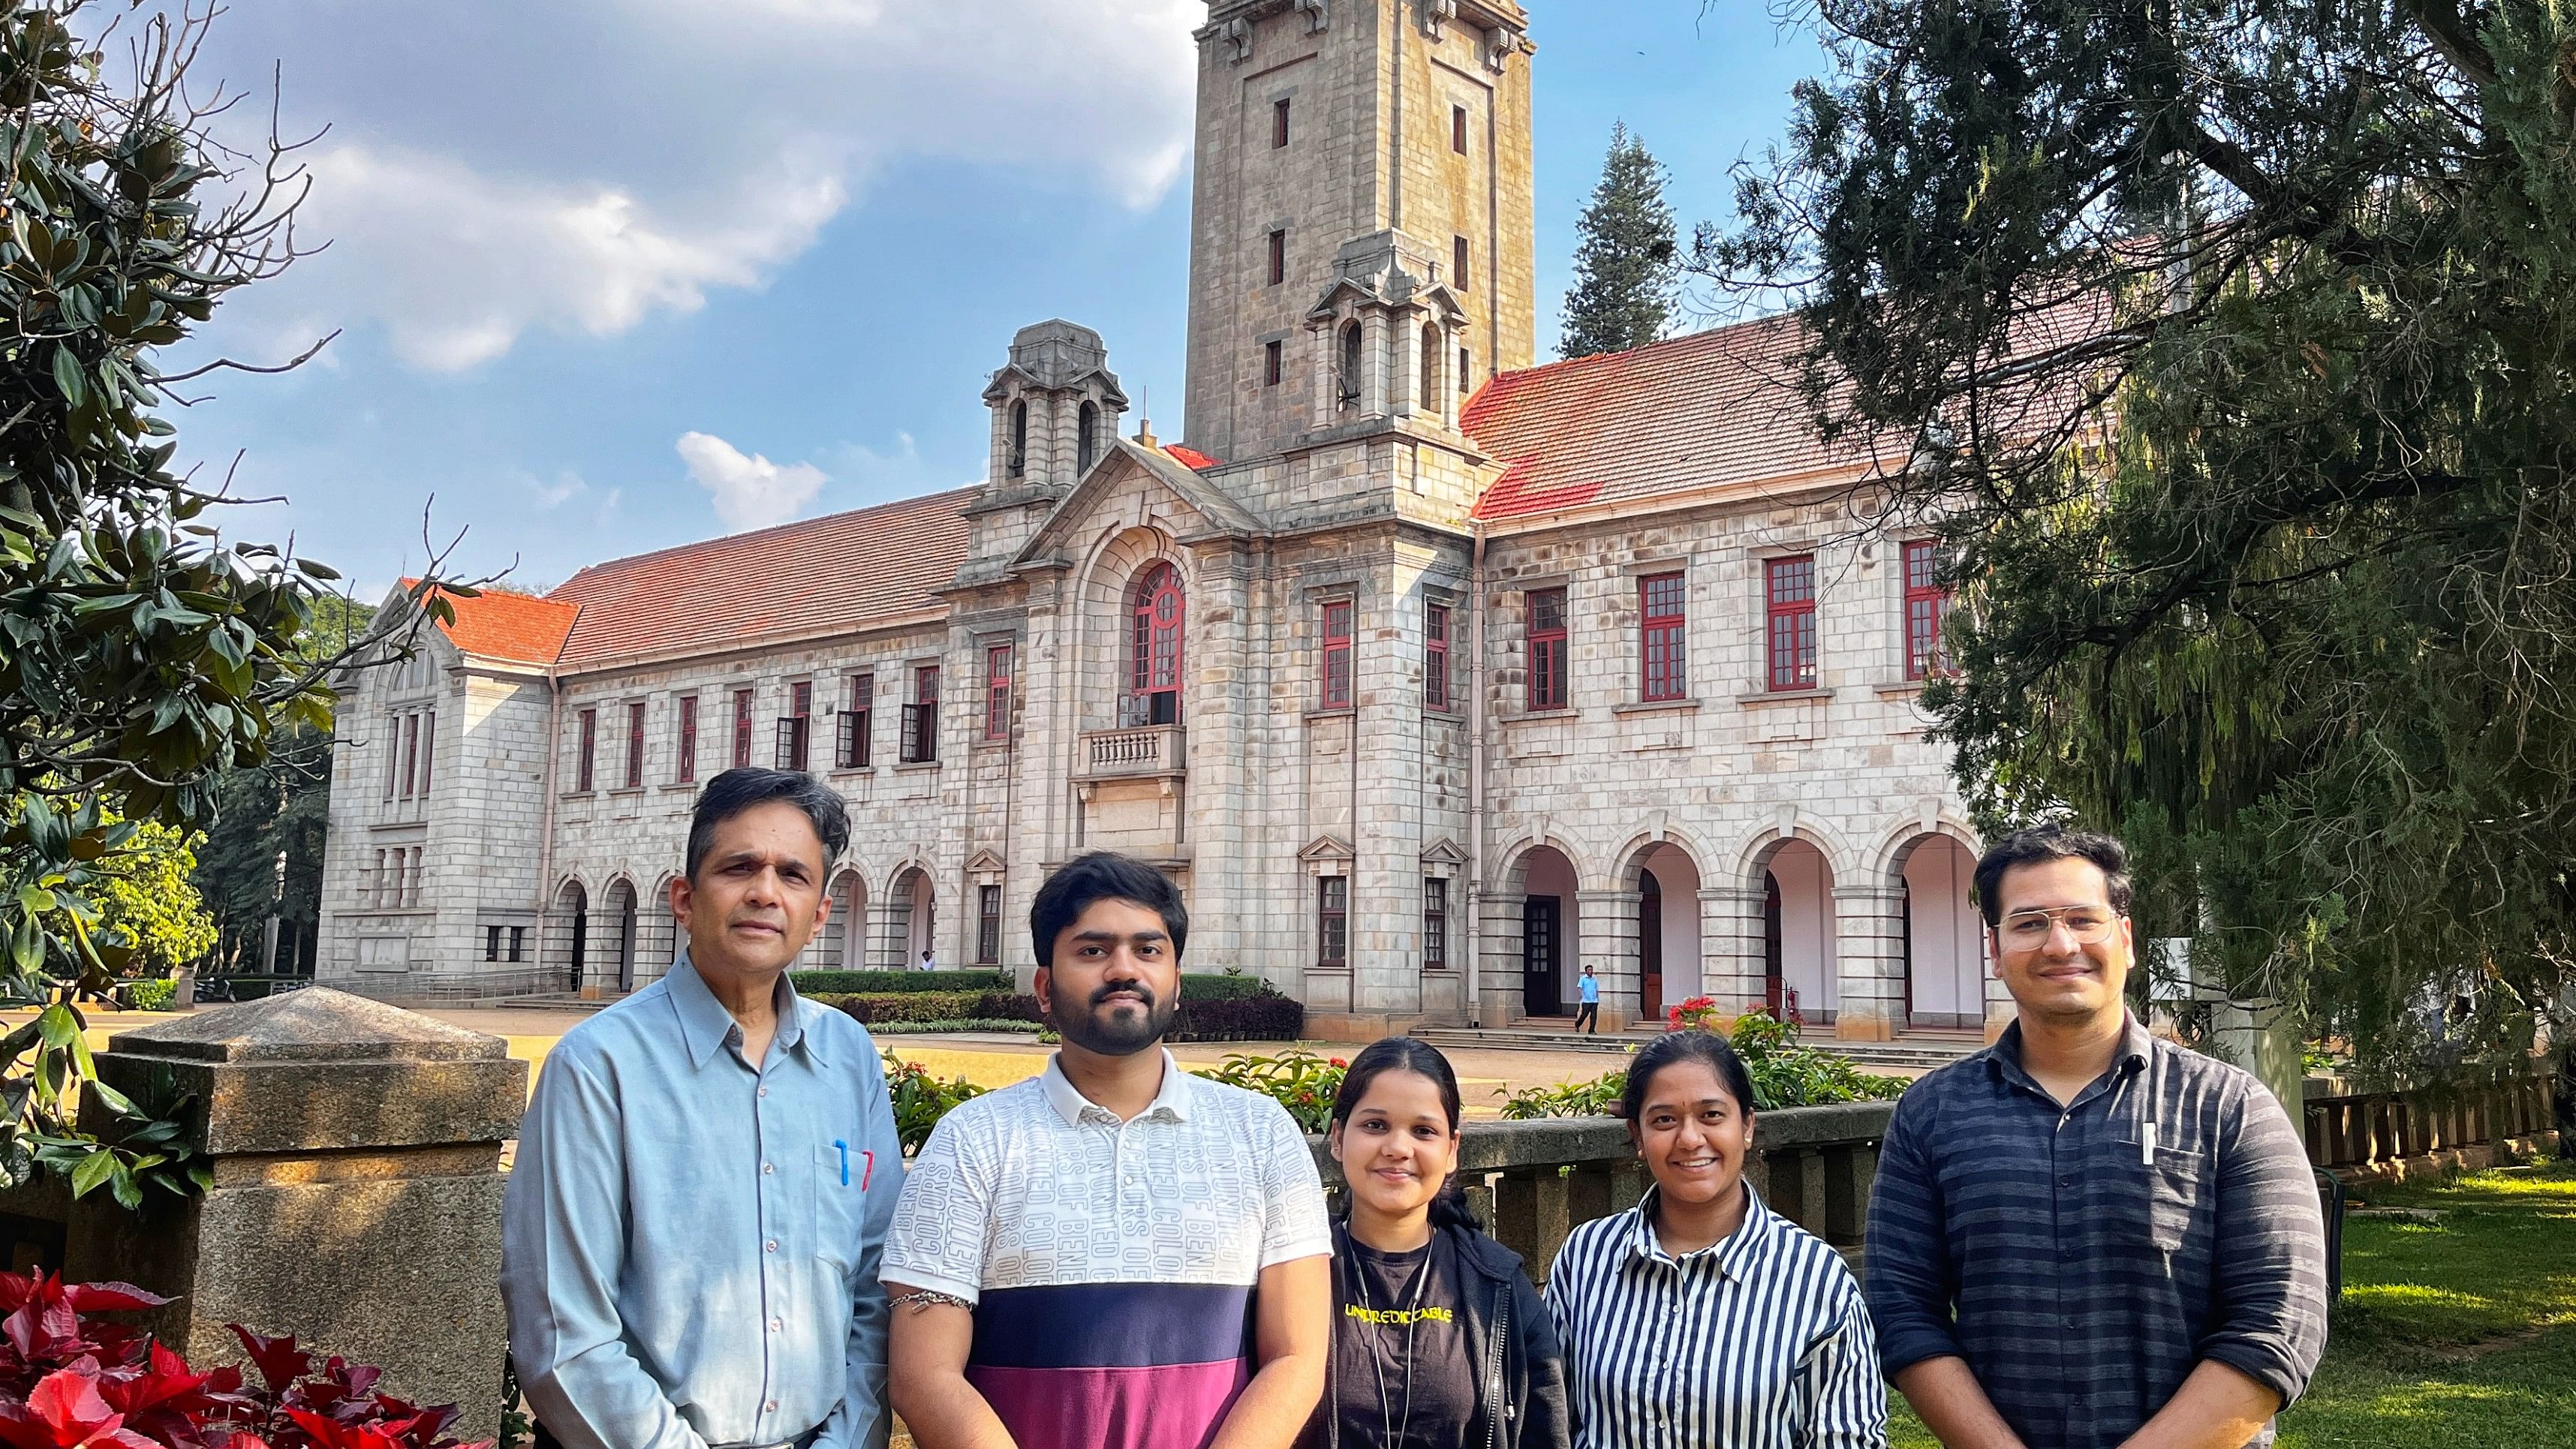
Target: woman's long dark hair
[(1405, 1054)]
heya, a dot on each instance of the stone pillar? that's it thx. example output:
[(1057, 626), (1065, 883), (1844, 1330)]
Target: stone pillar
[(356, 1152), (1607, 942), (1731, 950), (1373, 365), (1869, 962), (1498, 966), (1406, 370), (2000, 1009)]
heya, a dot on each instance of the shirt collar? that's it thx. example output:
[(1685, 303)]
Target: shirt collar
[(1170, 1104), (1733, 1256), (707, 1028), (2137, 1047)]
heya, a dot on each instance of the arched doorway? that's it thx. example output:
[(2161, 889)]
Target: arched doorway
[(569, 934), (1549, 926), (1798, 931), (621, 924), (842, 946), (1945, 945), (913, 925), (1668, 928), (657, 939)]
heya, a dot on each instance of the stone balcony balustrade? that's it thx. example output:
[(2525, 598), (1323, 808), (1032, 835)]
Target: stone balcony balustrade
[(1140, 751)]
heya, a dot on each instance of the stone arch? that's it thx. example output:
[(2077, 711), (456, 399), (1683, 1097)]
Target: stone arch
[(908, 916), (1887, 856), (659, 940), (1755, 857), (1542, 909), (1794, 877), (618, 920), (842, 945), (1663, 867), (1944, 942), (1097, 664), (566, 930)]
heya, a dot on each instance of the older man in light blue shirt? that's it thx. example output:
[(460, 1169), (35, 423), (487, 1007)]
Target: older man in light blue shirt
[(707, 1170)]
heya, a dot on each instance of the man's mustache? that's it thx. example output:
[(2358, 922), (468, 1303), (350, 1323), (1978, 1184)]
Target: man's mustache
[(1143, 993)]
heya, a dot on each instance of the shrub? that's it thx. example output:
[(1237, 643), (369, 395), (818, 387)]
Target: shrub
[(151, 995), (1298, 1080), (899, 1008), (937, 1028), (844, 983), (1269, 1017), (1784, 1074), (1596, 1098), (74, 1379), (921, 1099), (1229, 986)]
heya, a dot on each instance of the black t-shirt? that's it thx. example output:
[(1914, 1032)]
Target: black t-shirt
[(1405, 1311)]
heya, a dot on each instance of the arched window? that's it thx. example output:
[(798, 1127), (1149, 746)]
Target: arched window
[(1350, 382), (1019, 438), (1155, 612), (1087, 439), (1430, 369)]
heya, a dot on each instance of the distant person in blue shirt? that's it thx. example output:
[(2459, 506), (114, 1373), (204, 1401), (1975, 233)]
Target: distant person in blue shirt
[(690, 1236), (1589, 1018)]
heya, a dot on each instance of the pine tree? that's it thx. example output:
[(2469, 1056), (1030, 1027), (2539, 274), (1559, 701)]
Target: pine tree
[(1625, 275)]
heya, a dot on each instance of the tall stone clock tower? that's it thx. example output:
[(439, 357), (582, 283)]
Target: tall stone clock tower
[(1360, 251)]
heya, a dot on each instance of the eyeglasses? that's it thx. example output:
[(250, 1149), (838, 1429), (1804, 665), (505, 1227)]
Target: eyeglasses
[(2030, 930)]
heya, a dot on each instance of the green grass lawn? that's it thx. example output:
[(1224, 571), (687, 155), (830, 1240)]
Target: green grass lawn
[(2459, 1334)]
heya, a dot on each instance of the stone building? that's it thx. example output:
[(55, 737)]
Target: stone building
[(1428, 673)]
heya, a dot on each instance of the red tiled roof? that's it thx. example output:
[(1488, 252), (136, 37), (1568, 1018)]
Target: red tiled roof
[(842, 572), (1694, 412), (1192, 458), (501, 624)]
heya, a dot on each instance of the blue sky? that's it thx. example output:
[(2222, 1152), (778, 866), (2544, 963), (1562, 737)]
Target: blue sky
[(618, 274)]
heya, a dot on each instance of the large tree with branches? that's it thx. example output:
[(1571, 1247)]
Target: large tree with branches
[(2232, 340), (142, 653)]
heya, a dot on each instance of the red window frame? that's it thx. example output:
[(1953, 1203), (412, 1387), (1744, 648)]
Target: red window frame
[(1337, 654), (997, 692), (1435, 656), (1547, 678), (634, 746), (1927, 608), (857, 723), (1278, 123), (800, 726), (589, 750), (1664, 636), (688, 771), (1157, 646), (1333, 920), (1789, 618), (742, 729)]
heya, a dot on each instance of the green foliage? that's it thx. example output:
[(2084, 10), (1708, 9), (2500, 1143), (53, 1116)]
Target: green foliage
[(1785, 1074), (921, 1099), (1626, 266), (1596, 1098), (1229, 986), (155, 995), (1297, 1079), (146, 902), (2228, 338), (822, 983), (141, 653), (949, 1026), (897, 1008)]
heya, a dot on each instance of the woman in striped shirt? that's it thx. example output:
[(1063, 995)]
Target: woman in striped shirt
[(1700, 1319)]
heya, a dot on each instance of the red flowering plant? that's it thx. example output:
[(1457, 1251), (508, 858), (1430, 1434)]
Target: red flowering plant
[(1700, 1013), (70, 1380)]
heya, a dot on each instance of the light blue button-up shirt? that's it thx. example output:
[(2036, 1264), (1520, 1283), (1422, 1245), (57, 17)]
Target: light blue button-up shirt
[(689, 1245)]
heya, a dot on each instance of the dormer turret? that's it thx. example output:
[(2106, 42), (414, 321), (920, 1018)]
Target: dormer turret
[(1056, 407)]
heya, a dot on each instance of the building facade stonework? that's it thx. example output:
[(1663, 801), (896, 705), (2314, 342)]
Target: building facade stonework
[(1429, 674)]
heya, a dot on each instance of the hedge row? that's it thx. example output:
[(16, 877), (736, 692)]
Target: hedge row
[(828, 983), (1212, 987)]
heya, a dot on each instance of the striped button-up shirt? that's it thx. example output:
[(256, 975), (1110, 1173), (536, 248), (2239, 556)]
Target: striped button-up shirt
[(1758, 1342), (2084, 1259)]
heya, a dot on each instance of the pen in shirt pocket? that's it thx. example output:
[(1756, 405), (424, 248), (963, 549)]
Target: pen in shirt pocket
[(867, 1163)]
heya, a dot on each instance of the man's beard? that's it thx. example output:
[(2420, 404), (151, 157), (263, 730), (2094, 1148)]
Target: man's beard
[(1120, 1034)]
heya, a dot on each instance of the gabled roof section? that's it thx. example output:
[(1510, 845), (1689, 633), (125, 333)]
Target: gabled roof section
[(1213, 505), (501, 624), (1681, 416)]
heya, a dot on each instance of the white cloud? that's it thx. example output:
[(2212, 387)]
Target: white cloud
[(495, 168), (567, 486), (750, 492)]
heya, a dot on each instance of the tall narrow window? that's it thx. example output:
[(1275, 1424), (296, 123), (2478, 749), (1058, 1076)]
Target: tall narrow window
[(1429, 382), (1086, 442), (1274, 363), (1789, 609), (688, 771), (1337, 654), (921, 718), (1019, 459), (518, 943), (1349, 383), (1278, 123), (1435, 656), (411, 752), (634, 747), (1666, 642), (1333, 920), (491, 943), (851, 749), (1927, 607), (997, 692), (1278, 257), (1458, 261), (742, 729), (1458, 129), (795, 728), (1435, 923), (1156, 617), (1546, 648), (1466, 373), (393, 755), (428, 745), (589, 749), (988, 925)]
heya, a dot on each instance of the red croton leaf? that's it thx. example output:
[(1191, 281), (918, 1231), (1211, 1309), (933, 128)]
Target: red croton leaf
[(66, 1412), (329, 1433), (110, 1297), (280, 1361)]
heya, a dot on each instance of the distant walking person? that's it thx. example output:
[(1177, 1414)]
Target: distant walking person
[(1439, 1341), (1114, 1254), (2083, 1236), (1700, 1317), (1588, 1016), (689, 1239), (929, 962)]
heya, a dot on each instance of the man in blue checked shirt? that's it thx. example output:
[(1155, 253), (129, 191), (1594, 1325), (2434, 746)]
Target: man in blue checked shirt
[(706, 1173)]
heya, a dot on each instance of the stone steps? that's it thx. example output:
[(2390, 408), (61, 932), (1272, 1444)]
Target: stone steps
[(1914, 1051)]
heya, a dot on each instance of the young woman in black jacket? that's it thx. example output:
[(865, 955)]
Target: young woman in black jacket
[(1439, 1341)]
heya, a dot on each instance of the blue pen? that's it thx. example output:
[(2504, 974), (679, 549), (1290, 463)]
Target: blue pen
[(845, 1160)]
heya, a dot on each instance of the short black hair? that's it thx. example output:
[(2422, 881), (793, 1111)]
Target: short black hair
[(1684, 1046), (735, 791), (2046, 843), (1104, 875)]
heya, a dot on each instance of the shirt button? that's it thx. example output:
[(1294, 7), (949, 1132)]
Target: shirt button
[(778, 1325), (764, 1091), (766, 1169), (770, 1247), (769, 1408)]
